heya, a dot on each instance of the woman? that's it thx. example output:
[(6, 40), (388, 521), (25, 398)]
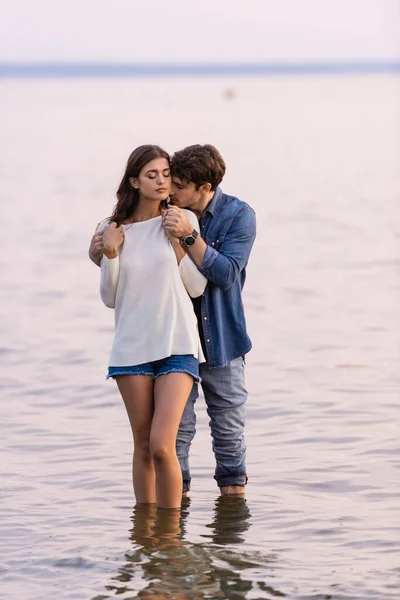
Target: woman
[(156, 349)]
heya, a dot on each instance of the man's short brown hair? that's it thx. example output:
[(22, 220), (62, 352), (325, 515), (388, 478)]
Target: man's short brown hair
[(199, 164)]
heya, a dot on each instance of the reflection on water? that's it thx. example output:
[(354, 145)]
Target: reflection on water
[(159, 560), (161, 564), (231, 520)]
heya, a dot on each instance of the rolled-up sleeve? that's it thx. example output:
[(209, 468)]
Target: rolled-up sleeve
[(223, 266), (209, 256)]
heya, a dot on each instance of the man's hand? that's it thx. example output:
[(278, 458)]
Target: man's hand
[(113, 238), (176, 223), (96, 249)]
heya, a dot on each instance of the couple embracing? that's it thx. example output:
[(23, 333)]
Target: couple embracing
[(173, 259)]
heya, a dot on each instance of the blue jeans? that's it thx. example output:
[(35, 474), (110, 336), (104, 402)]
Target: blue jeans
[(225, 395)]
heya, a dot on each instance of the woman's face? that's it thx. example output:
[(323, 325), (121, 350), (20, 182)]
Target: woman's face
[(154, 181)]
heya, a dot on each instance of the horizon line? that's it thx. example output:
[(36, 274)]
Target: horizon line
[(142, 69)]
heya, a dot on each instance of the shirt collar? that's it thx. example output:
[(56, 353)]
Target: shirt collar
[(216, 199)]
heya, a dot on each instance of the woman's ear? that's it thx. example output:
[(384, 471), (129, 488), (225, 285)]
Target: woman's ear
[(134, 182)]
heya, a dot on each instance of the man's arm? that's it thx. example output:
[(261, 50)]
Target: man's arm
[(96, 249), (221, 267), (178, 225)]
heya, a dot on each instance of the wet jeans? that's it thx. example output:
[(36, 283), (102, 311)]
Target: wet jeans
[(225, 395)]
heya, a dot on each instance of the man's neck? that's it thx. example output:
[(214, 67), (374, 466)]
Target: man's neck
[(201, 206)]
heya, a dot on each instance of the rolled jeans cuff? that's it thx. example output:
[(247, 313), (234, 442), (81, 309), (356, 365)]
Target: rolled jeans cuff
[(186, 482), (224, 480)]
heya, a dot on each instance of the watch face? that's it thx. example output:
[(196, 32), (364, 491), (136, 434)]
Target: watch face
[(189, 240)]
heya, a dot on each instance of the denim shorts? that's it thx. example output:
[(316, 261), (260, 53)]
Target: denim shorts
[(177, 363)]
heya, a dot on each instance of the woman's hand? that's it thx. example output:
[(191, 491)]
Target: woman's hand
[(113, 238)]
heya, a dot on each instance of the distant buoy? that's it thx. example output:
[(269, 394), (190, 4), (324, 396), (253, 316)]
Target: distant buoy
[(229, 93)]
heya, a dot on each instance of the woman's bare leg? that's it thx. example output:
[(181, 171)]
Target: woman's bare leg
[(170, 395), (137, 394)]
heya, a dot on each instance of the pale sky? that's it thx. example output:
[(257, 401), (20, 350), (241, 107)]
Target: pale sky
[(199, 31)]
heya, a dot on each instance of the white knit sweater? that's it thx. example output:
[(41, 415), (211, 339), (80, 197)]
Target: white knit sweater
[(154, 316)]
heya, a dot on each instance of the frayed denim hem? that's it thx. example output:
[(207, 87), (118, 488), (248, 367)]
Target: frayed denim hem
[(195, 377), (176, 363), (117, 374), (113, 375)]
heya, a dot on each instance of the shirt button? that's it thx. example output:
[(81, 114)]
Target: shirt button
[(208, 340), (205, 318), (212, 243)]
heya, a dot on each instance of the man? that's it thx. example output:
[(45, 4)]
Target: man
[(221, 252)]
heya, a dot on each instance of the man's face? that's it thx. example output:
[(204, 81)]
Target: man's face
[(184, 195)]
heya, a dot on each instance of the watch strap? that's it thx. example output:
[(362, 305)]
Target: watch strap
[(192, 238)]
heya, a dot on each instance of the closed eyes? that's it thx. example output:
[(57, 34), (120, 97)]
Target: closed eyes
[(153, 175)]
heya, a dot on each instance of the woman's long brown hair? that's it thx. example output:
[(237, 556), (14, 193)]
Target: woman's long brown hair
[(127, 196)]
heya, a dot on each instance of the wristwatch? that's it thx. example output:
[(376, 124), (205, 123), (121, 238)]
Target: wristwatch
[(189, 240)]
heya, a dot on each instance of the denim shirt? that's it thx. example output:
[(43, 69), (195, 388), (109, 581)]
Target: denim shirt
[(228, 226)]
